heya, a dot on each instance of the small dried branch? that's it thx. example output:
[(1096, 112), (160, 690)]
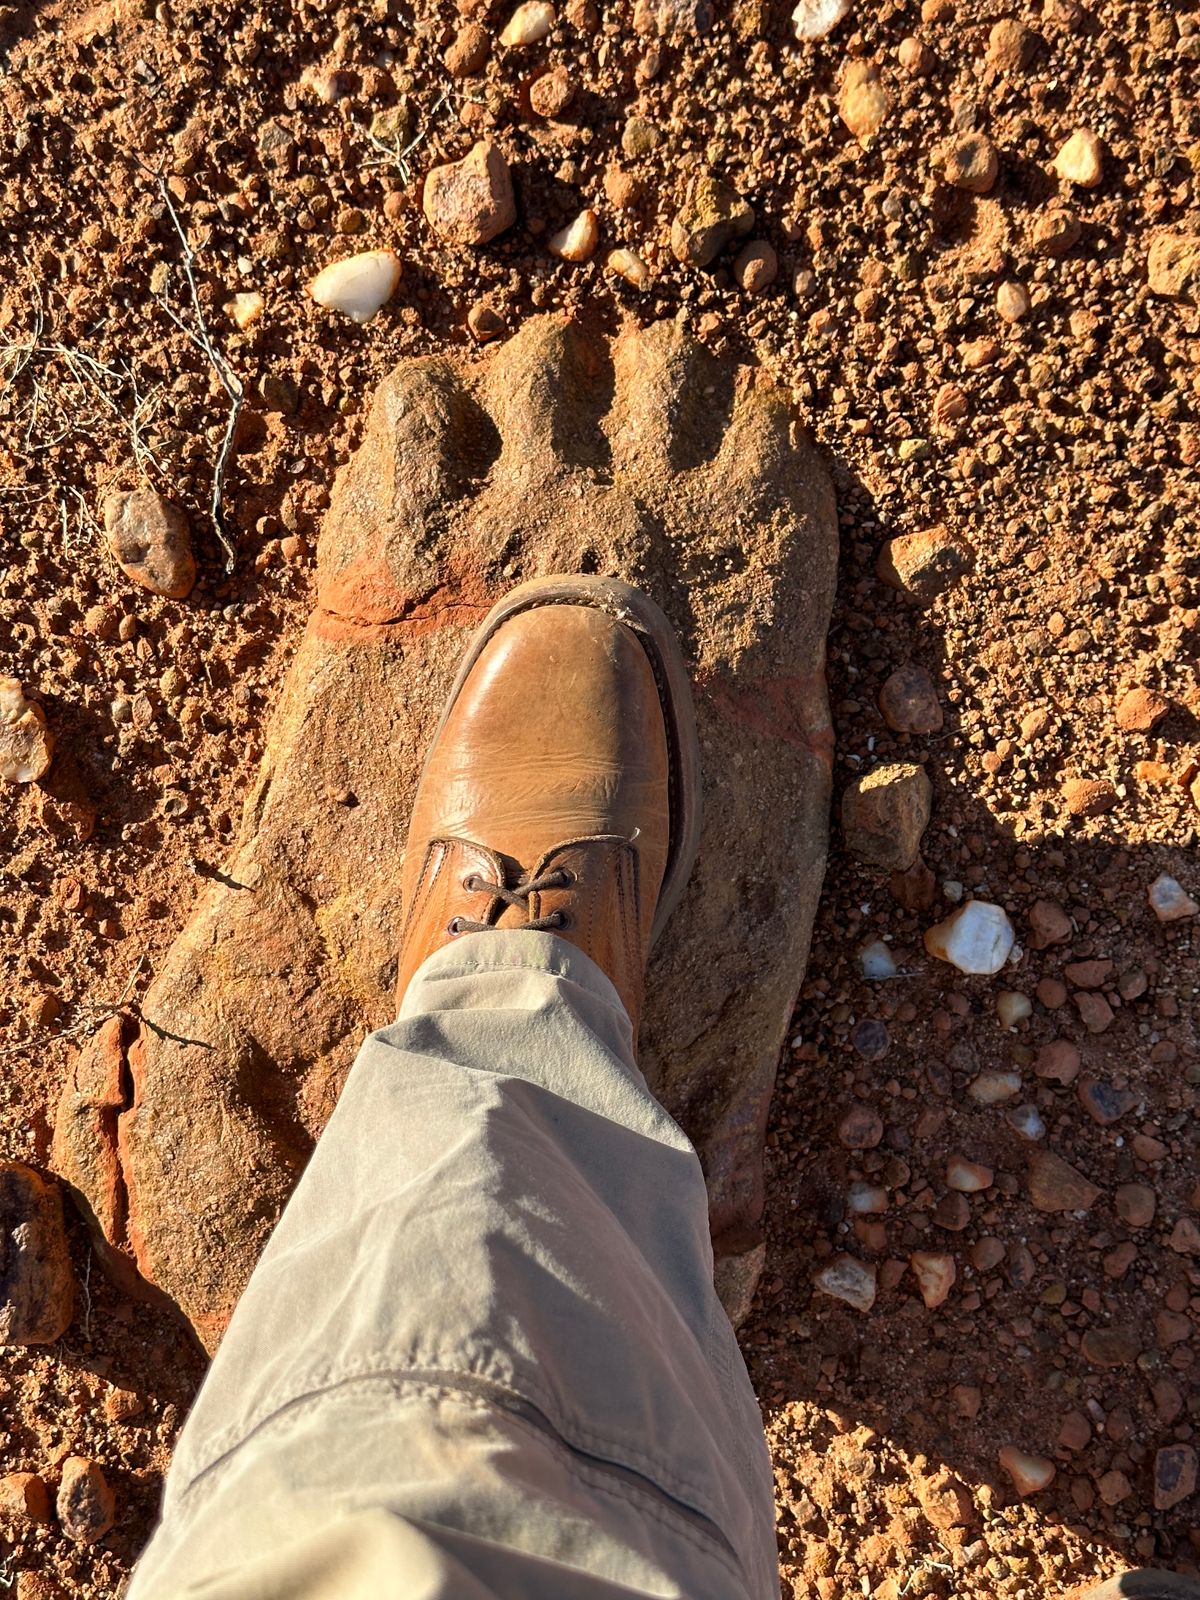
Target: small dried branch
[(96, 1014), (393, 155), (200, 336)]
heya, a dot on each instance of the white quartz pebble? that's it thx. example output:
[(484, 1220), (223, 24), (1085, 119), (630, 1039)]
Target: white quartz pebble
[(847, 1279), (577, 240), (813, 19), (528, 24), (629, 265), (877, 960), (976, 938), (359, 285), (1013, 1007)]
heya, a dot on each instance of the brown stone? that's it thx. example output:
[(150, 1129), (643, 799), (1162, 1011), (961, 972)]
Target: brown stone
[(861, 1128), (914, 889), (1048, 924), (1054, 1185), (1088, 974), (1111, 1347), (551, 94), (257, 1010), (468, 50), (1135, 1203), (1088, 797), (1141, 710), (469, 202), (712, 214), (863, 102), (952, 1212), (1102, 1102), (1185, 1238), (150, 541), (1058, 1061), (1076, 1431), (946, 1501), (935, 1275), (925, 565), (1173, 265), (37, 1290), (909, 702), (884, 814), (86, 1504), (1174, 1475), (970, 162), (1094, 1012), (25, 1497)]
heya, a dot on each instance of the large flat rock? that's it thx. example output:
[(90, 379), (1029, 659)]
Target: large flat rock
[(646, 458)]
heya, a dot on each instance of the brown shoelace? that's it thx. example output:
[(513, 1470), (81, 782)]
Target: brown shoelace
[(560, 878)]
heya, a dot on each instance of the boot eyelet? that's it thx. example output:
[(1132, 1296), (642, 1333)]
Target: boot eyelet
[(470, 883), (566, 877), (561, 919), (454, 927)]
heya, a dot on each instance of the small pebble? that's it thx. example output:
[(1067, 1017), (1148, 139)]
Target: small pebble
[(884, 814), (578, 240), (968, 1177), (924, 566), (813, 19), (1141, 710), (1026, 1122), (529, 24), (977, 938), (848, 1279), (627, 264), (866, 1199), (1012, 301), (1055, 1185), (861, 1128), (971, 163), (86, 1504), (1135, 1204), (1174, 1475), (863, 103), (1059, 1061), (470, 202), (755, 267), (935, 1275), (1081, 159), (358, 286), (1104, 1104), (1028, 1473), (1013, 1007), (26, 743), (992, 1088), (908, 702), (877, 961), (150, 540), (1169, 901)]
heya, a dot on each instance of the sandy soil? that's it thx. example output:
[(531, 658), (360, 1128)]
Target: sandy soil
[(1060, 446)]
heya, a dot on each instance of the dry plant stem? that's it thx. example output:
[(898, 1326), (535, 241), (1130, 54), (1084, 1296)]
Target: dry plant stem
[(393, 153), (229, 380), (98, 1013)]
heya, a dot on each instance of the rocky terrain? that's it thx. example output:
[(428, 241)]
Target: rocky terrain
[(966, 242)]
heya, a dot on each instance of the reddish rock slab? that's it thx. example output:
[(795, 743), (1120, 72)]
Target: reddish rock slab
[(647, 458)]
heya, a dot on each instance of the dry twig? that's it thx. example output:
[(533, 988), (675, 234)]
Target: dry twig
[(228, 379)]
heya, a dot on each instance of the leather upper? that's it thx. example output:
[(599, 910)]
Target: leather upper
[(552, 758)]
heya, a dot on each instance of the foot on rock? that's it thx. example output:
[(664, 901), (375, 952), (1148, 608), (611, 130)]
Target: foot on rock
[(646, 459)]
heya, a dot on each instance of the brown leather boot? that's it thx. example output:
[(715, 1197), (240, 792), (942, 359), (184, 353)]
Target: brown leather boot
[(562, 788)]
